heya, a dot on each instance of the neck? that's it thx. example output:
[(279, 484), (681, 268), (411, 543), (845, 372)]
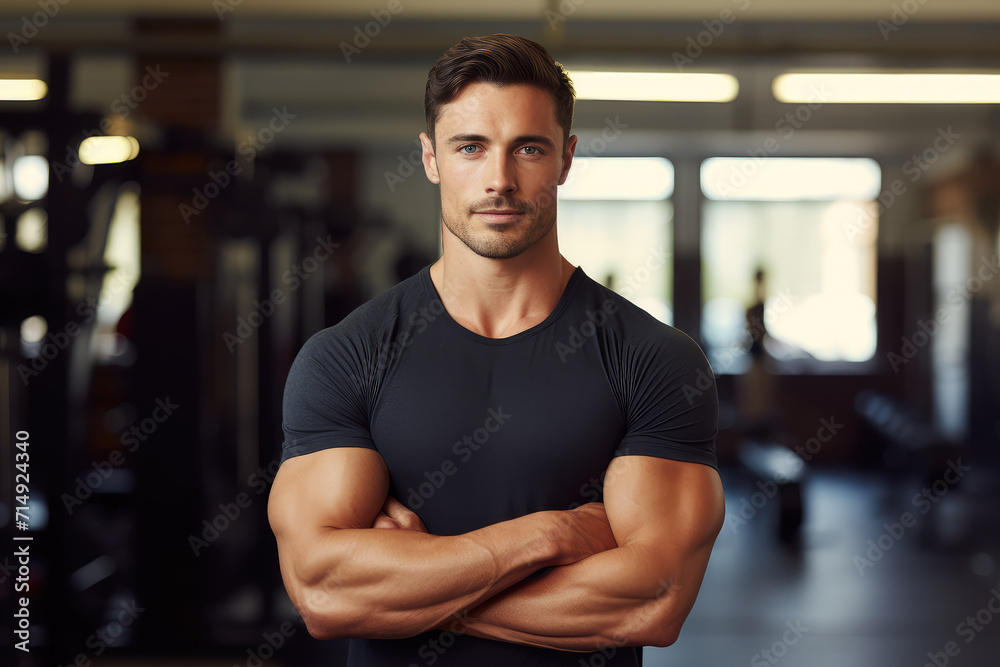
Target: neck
[(498, 298)]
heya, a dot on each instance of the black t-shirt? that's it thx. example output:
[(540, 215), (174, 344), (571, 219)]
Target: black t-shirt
[(478, 430)]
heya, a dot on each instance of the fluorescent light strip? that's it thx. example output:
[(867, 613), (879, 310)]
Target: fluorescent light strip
[(108, 150), (655, 86), (22, 90), (887, 88)]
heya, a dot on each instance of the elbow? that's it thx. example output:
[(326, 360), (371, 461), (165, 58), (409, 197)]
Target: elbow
[(659, 629), (319, 630), (662, 636), (333, 617), (325, 624), (659, 634), (320, 623), (325, 616)]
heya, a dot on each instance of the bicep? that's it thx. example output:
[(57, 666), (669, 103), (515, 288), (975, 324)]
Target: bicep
[(337, 488), (668, 514)]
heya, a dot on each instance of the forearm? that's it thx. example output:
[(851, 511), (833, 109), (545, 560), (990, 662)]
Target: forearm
[(398, 583), (638, 594), (620, 597)]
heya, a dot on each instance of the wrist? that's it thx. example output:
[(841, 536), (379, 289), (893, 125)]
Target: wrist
[(550, 548)]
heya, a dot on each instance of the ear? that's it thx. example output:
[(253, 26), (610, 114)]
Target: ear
[(567, 158), (429, 159)]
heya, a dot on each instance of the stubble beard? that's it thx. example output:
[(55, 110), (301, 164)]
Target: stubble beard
[(501, 241)]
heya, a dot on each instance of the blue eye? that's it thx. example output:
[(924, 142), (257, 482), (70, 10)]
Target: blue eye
[(472, 146)]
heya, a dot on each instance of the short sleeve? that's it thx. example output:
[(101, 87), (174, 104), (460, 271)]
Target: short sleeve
[(325, 401), (672, 406)]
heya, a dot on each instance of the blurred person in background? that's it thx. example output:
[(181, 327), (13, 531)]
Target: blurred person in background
[(758, 403)]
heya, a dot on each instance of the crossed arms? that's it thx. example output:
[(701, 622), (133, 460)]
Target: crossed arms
[(627, 571)]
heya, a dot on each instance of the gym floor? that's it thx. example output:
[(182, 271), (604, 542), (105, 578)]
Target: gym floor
[(904, 599)]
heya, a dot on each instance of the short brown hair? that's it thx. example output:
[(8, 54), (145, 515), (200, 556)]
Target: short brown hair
[(502, 60)]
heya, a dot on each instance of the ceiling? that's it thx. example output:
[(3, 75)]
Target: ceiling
[(293, 53), (749, 10), (907, 28)]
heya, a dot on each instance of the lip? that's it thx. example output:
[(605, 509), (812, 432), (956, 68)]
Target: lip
[(499, 215)]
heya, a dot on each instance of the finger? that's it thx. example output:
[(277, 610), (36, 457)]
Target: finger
[(403, 515), (383, 520)]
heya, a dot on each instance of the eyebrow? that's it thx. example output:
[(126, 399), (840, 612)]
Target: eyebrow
[(523, 139)]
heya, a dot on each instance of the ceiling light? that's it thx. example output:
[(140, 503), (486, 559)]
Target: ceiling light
[(887, 88), (22, 90), (655, 86), (108, 150)]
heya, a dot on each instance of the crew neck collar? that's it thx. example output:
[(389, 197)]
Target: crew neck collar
[(564, 299)]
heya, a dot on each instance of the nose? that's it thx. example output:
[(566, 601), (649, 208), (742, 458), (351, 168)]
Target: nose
[(501, 177)]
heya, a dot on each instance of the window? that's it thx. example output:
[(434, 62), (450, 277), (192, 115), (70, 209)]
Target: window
[(811, 225), (615, 222)]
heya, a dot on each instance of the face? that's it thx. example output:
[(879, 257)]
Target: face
[(498, 158)]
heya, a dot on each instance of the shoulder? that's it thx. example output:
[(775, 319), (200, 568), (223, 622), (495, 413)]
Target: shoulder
[(359, 334), (633, 325), (378, 313), (663, 380)]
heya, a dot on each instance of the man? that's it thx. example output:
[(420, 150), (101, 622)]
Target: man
[(497, 393)]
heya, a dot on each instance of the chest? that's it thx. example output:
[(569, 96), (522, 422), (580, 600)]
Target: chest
[(472, 436)]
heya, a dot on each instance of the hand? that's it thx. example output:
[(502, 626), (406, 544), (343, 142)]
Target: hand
[(588, 533), (395, 515)]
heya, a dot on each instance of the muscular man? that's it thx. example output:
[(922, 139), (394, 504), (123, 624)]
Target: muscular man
[(498, 461)]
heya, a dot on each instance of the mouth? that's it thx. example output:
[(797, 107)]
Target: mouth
[(499, 215)]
